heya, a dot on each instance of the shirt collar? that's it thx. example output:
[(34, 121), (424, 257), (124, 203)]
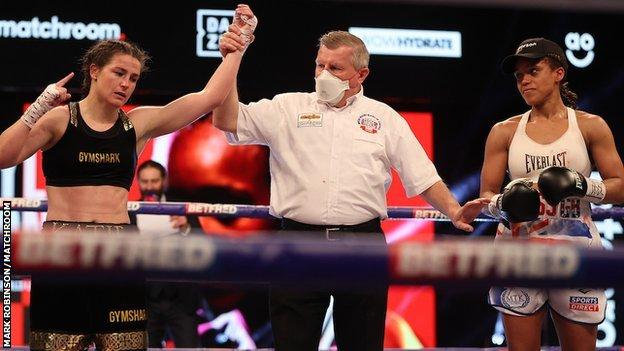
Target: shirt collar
[(350, 100), (357, 96)]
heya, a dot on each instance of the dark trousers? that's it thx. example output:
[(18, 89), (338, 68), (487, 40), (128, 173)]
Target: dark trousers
[(359, 316), (183, 326)]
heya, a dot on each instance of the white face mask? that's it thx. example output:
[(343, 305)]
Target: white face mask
[(329, 88)]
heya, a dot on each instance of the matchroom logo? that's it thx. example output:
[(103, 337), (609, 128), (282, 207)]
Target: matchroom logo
[(55, 29), (210, 25)]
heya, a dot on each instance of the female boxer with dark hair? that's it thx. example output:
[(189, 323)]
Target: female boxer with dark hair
[(90, 151), (557, 144)]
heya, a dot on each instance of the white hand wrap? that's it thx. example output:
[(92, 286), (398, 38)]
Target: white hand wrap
[(493, 208), (247, 26), (44, 103), (596, 191)]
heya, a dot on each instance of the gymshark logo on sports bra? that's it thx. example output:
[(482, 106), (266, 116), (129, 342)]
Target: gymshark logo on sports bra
[(99, 157), (537, 162)]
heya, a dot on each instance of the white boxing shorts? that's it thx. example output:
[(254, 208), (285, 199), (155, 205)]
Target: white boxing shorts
[(579, 305)]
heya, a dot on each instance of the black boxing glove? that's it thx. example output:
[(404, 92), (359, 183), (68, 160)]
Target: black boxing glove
[(557, 183), (518, 202)]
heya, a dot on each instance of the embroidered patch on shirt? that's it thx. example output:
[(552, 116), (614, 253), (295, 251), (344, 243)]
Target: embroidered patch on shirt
[(310, 120), (369, 123)]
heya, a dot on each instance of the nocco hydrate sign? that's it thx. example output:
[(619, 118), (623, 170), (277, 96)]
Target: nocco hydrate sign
[(56, 29), (410, 42)]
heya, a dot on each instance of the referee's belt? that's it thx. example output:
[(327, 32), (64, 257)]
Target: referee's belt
[(335, 232)]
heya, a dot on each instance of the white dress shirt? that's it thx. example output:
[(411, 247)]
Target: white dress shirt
[(333, 165)]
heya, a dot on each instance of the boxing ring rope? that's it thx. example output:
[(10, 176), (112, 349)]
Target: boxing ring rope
[(266, 259), (349, 264), (261, 259), (253, 211)]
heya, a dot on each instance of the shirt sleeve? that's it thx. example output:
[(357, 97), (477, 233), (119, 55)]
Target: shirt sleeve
[(257, 122), (408, 157)]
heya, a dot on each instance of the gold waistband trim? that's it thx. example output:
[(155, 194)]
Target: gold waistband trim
[(121, 341), (58, 341)]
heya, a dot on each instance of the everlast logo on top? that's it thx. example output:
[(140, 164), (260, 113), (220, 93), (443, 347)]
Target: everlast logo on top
[(537, 162), (99, 157)]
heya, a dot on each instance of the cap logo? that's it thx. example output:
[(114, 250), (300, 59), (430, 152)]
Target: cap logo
[(524, 46)]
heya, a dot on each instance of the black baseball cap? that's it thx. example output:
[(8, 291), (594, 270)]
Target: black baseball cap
[(535, 48)]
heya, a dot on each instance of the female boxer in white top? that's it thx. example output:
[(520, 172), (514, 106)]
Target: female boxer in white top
[(559, 145)]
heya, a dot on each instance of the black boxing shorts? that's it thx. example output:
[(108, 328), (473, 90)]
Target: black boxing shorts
[(72, 316)]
